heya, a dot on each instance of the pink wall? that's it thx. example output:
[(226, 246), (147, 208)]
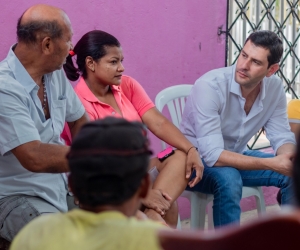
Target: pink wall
[(160, 38)]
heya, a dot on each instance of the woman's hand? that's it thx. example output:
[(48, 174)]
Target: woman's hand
[(158, 201), (194, 163)]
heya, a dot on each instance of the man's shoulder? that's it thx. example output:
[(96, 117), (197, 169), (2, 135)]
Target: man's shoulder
[(216, 78), (9, 83), (6, 75), (273, 83), (273, 78)]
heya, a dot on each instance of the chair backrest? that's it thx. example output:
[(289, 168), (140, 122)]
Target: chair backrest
[(174, 97), (276, 233)]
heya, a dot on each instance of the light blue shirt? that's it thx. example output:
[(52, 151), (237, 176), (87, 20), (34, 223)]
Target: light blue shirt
[(22, 120), (214, 118)]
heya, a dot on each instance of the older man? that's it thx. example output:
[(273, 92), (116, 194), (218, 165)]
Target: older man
[(35, 101), (226, 108)]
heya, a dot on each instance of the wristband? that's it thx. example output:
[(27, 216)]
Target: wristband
[(190, 149)]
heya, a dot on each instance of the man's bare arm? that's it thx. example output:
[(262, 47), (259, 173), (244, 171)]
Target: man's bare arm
[(40, 157), (281, 163)]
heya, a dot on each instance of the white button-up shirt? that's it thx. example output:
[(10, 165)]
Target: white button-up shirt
[(214, 118)]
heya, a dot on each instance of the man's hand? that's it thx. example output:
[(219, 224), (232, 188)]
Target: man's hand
[(158, 201), (193, 162), (283, 163)]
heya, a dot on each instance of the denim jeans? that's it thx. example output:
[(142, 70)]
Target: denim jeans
[(226, 183)]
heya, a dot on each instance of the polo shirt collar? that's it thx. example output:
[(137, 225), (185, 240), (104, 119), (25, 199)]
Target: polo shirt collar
[(87, 94), (236, 89)]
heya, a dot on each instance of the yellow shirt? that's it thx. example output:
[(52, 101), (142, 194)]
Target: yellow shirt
[(81, 230), (293, 110)]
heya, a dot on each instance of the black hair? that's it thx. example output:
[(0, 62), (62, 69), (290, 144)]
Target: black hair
[(108, 159), (296, 175), (268, 40), (27, 32), (91, 44)]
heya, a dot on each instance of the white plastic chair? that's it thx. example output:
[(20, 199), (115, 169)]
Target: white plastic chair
[(175, 97)]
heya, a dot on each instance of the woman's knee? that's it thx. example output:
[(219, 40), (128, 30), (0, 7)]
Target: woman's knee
[(178, 159)]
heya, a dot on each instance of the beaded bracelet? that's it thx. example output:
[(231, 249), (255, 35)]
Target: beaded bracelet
[(191, 148)]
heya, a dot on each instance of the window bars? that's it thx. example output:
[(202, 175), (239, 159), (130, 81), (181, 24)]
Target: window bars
[(280, 16)]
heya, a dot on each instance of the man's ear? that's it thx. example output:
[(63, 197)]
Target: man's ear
[(145, 186), (47, 45), (272, 69)]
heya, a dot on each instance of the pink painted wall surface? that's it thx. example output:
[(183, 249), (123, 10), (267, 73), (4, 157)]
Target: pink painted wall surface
[(160, 38)]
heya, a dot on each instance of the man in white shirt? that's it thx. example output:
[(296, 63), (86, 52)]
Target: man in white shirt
[(225, 109)]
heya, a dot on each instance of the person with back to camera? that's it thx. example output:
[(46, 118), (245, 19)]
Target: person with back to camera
[(105, 91), (108, 163)]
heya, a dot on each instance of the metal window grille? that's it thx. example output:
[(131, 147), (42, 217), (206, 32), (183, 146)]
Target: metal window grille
[(280, 16)]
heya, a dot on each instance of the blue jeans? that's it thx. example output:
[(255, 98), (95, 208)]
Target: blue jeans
[(226, 183)]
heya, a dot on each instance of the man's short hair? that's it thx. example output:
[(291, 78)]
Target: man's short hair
[(268, 40), (108, 160), (27, 33)]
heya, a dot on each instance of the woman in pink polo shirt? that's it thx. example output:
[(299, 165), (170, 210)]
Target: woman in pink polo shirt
[(105, 91)]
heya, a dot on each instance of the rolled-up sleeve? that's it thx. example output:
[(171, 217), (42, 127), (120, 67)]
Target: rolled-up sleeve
[(277, 128), (206, 105), (16, 125)]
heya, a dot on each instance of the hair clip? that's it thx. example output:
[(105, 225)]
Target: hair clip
[(72, 53)]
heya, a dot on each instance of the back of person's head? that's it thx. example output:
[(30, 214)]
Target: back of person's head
[(108, 160), (296, 175), (91, 44), (38, 22), (268, 40)]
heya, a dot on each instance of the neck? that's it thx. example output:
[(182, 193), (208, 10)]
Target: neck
[(251, 91), (97, 88), (29, 60)]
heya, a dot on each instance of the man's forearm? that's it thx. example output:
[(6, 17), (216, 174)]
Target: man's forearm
[(242, 162), (42, 158), (280, 163)]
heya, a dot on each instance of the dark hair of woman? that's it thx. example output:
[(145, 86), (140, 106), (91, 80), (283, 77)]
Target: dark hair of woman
[(92, 44)]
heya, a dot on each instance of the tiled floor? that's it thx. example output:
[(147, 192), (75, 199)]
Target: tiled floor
[(245, 217)]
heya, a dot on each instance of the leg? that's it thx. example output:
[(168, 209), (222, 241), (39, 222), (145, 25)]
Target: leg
[(17, 211), (171, 170), (171, 216), (268, 178), (225, 184)]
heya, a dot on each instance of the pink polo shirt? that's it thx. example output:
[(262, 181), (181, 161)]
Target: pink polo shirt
[(130, 96)]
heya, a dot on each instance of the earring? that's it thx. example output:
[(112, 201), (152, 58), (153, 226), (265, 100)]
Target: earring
[(92, 69)]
